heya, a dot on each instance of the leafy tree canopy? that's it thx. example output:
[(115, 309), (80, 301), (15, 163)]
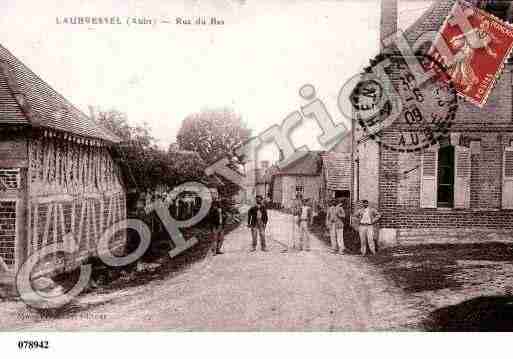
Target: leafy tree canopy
[(143, 164), (212, 134)]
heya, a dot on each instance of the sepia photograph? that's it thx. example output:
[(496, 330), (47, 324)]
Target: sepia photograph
[(255, 168)]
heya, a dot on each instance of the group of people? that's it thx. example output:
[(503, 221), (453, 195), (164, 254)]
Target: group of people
[(257, 222), (181, 207), (365, 217)]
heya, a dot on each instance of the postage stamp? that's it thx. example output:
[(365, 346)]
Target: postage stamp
[(426, 110), (478, 54)]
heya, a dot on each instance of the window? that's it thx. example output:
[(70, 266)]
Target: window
[(445, 192), (341, 194), (9, 178), (507, 179), (8, 231), (300, 186)]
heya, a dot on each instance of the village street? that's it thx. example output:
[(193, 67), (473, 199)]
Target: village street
[(276, 290)]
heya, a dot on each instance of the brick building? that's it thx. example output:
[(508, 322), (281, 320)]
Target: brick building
[(57, 173), (461, 185)]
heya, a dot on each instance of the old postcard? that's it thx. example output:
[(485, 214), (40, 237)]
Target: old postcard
[(244, 166)]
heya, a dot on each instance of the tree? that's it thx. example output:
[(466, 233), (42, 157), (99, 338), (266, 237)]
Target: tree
[(143, 164), (187, 165), (137, 152), (117, 122), (213, 134)]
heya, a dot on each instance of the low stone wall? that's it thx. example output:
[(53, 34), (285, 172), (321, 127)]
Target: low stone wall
[(389, 237)]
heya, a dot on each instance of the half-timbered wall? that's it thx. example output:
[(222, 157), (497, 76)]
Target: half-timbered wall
[(13, 170), (7, 231), (9, 181), (75, 187), (63, 166)]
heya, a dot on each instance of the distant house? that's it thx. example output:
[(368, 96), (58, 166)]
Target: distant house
[(303, 177), (253, 185), (58, 175), (268, 182), (260, 182)]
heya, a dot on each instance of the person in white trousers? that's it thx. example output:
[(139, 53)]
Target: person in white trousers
[(296, 211), (305, 218), (367, 218), (335, 223)]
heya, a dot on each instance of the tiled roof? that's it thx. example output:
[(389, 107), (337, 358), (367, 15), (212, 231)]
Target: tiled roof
[(430, 20), (409, 12), (10, 110), (337, 169), (308, 165), (28, 100)]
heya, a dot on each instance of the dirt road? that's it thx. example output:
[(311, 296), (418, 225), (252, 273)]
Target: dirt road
[(281, 289)]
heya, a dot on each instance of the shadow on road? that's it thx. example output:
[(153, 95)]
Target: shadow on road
[(432, 267), (488, 314), (475, 275)]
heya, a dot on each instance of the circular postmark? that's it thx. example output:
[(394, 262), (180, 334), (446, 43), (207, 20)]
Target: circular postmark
[(398, 111), (367, 96)]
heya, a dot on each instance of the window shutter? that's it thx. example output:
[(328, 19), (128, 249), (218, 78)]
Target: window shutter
[(429, 178), (462, 177), (507, 179)]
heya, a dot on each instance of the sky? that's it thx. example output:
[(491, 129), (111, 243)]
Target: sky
[(254, 63)]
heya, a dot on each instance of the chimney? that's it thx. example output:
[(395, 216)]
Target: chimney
[(388, 24)]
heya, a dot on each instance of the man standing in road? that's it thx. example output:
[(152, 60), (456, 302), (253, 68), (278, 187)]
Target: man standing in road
[(367, 217), (257, 221), (305, 219), (216, 221), (335, 223), (296, 211)]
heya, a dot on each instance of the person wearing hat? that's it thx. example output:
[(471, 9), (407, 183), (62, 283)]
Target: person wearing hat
[(257, 221), (217, 218), (367, 217), (296, 211), (335, 223), (305, 219)]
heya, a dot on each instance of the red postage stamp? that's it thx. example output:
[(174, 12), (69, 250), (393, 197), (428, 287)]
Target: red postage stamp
[(478, 55)]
